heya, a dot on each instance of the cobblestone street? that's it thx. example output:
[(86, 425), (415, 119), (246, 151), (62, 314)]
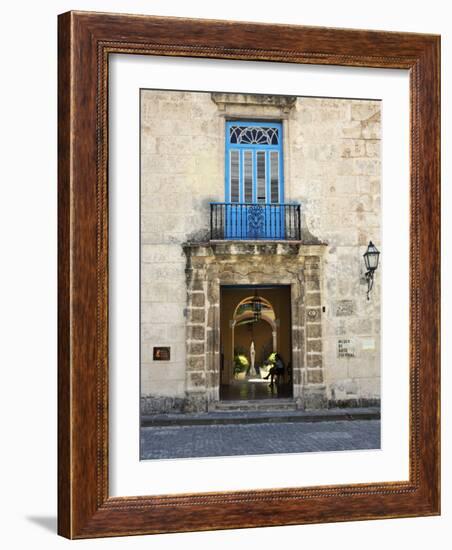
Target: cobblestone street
[(162, 442)]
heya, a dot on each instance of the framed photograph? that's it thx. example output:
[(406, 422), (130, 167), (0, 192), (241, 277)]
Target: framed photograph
[(248, 275)]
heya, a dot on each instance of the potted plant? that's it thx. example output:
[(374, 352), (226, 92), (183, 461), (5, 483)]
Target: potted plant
[(241, 365)]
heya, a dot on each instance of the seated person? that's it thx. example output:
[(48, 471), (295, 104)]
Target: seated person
[(276, 370)]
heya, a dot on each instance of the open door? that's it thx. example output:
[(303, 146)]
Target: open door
[(255, 325)]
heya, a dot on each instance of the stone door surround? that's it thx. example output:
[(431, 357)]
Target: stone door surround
[(212, 264)]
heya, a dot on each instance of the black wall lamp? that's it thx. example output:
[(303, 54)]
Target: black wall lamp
[(371, 257)]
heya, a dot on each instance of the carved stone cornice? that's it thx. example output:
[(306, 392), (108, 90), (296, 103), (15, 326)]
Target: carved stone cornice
[(282, 102)]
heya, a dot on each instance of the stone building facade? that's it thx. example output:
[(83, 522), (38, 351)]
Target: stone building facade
[(330, 166)]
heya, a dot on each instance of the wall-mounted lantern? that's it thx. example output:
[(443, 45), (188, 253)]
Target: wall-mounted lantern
[(371, 257)]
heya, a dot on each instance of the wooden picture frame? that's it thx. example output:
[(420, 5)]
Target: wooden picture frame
[(86, 40)]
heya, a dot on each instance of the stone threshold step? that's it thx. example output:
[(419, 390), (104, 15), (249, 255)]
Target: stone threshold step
[(258, 417), (253, 405)]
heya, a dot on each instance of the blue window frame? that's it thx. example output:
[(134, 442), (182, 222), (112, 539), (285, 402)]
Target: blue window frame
[(254, 176), (254, 167)]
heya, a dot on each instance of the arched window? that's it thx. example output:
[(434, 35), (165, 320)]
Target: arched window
[(244, 312)]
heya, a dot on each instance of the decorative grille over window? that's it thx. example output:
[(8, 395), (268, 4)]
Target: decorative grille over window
[(254, 135)]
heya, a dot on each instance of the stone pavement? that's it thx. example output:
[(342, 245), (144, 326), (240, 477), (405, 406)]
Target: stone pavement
[(232, 439)]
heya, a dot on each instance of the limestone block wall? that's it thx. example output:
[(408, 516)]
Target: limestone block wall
[(182, 159), (331, 166), (333, 170)]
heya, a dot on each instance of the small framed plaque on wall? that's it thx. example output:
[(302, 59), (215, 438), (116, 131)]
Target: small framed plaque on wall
[(161, 353)]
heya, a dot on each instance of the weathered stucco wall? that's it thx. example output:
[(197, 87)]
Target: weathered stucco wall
[(331, 166), (334, 172), (182, 146)]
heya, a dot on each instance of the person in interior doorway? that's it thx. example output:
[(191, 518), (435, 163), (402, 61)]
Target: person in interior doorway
[(276, 370)]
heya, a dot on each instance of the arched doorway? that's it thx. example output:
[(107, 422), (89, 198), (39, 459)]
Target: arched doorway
[(254, 335), (255, 341), (255, 324)]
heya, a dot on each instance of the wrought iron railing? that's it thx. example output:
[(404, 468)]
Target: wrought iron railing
[(254, 221)]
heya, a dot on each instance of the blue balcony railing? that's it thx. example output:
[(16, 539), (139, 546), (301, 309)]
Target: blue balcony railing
[(254, 221)]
